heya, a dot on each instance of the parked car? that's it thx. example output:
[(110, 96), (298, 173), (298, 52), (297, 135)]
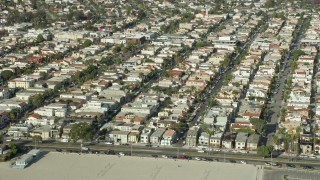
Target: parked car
[(121, 154), (164, 156), (291, 165), (308, 167), (267, 164), (243, 162)]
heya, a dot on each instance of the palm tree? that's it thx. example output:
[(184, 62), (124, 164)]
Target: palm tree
[(275, 140)]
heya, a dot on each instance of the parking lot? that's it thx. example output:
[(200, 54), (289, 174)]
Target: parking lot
[(98, 166)]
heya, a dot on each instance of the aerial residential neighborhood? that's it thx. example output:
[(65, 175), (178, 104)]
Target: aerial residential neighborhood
[(226, 81)]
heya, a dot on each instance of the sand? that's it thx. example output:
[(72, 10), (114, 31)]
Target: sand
[(62, 166)]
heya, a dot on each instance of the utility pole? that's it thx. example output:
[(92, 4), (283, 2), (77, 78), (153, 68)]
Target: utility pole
[(271, 157), (81, 147), (130, 149)]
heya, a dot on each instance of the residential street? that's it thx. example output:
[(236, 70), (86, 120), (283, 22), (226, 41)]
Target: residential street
[(277, 102)]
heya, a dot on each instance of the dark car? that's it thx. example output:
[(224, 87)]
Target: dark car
[(308, 167), (148, 145), (112, 152), (59, 150), (188, 157), (291, 165), (154, 155), (232, 161)]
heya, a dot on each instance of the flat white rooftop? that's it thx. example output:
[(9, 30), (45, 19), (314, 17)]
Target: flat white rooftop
[(96, 167)]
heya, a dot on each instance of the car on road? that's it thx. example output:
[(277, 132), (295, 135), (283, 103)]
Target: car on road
[(59, 150), (112, 152), (121, 154), (267, 164), (182, 157), (197, 158), (232, 161), (154, 155), (276, 164), (215, 160), (313, 157), (291, 165), (243, 162), (164, 156), (308, 167)]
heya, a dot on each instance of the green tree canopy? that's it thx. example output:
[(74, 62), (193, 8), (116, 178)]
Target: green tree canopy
[(264, 151), (6, 74), (86, 43), (81, 131), (37, 100), (259, 123)]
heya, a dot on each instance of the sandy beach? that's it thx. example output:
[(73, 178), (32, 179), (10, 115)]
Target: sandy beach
[(71, 166)]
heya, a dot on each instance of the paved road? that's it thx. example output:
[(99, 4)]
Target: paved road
[(216, 86), (173, 152), (277, 103)]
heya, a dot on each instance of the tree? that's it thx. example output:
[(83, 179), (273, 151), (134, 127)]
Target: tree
[(270, 4), (213, 102), (259, 124), (86, 43), (37, 138), (40, 19), (37, 100), (13, 150), (116, 49), (200, 44), (177, 127), (81, 131), (265, 151), (141, 75), (13, 114), (40, 38), (275, 140), (43, 75), (6, 74), (141, 15)]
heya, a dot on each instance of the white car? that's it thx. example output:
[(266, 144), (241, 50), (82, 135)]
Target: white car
[(243, 162), (197, 158), (121, 154), (164, 156)]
